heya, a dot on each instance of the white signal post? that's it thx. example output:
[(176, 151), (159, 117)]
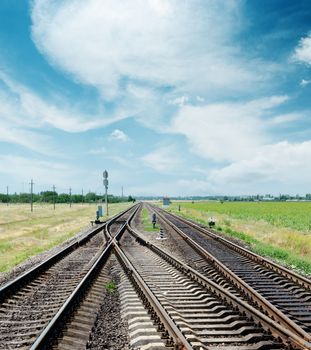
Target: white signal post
[(105, 175)]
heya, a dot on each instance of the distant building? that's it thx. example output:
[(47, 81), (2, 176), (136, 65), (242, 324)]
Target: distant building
[(268, 198), (166, 201)]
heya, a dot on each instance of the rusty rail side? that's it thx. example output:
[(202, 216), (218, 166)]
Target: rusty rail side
[(295, 277), (155, 308), (281, 330), (14, 285), (262, 303), (53, 329)]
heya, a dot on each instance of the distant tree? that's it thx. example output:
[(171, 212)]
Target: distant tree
[(77, 198), (63, 198), (131, 199), (3, 198), (24, 197), (90, 197), (48, 196)]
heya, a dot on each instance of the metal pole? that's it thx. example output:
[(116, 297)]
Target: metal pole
[(7, 195), (105, 176), (106, 200), (31, 195), (54, 197), (70, 197)]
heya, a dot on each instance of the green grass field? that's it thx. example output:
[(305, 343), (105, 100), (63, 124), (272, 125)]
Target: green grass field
[(281, 230), (24, 234), (146, 222)]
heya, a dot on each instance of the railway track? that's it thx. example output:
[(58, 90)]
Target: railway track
[(208, 316), (157, 297), (30, 302), (164, 303), (280, 293), (75, 326)]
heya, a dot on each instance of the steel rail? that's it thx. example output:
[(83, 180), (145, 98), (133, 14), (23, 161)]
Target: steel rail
[(51, 331), (165, 322), (295, 277), (286, 333), (54, 327), (121, 229), (14, 285), (251, 294), (180, 342)]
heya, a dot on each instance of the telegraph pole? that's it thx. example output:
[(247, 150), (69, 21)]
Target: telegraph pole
[(70, 197), (54, 196), (31, 195), (7, 195), (105, 175)]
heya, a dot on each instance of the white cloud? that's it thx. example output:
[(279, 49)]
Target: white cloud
[(25, 108), (98, 151), (284, 119), (119, 135), (180, 101), (304, 82), (282, 163), (106, 155), (281, 167), (200, 99), (163, 159), (47, 173), (227, 131), (110, 44), (303, 50), (24, 138), (237, 137)]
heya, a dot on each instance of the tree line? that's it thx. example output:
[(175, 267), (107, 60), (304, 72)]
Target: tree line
[(54, 197)]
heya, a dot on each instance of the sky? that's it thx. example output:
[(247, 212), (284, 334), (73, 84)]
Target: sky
[(172, 97)]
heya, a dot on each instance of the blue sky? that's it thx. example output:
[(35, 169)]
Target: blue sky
[(172, 97)]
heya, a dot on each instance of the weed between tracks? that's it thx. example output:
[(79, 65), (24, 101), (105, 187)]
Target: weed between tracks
[(254, 224), (146, 222), (111, 286)]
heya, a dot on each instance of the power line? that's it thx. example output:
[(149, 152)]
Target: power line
[(31, 194), (70, 197), (54, 196)]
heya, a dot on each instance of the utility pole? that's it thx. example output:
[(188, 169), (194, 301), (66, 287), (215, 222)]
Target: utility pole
[(105, 175), (7, 195), (31, 195), (70, 197), (82, 197), (89, 196), (54, 196), (122, 192)]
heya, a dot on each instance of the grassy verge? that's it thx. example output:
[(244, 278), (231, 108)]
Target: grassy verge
[(281, 255), (146, 222), (24, 234), (287, 246)]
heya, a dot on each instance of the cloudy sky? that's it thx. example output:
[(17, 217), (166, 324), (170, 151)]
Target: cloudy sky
[(174, 97)]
